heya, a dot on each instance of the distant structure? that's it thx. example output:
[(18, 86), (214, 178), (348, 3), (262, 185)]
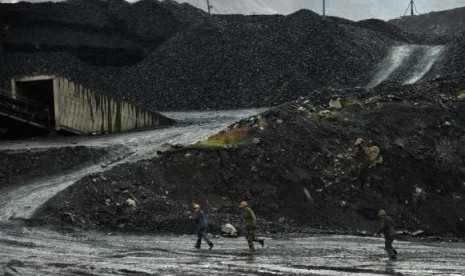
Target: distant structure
[(411, 6), (57, 104), (324, 8), (209, 7)]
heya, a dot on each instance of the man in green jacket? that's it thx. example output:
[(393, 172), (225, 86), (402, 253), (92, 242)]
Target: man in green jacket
[(250, 225)]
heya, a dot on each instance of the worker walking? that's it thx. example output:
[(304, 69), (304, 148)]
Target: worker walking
[(250, 225), (202, 225), (388, 228)]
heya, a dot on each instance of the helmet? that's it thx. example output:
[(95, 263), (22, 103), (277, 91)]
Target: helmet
[(195, 206), (382, 213), (243, 204)]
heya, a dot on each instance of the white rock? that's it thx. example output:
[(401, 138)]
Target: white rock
[(228, 230), (335, 104), (130, 202)]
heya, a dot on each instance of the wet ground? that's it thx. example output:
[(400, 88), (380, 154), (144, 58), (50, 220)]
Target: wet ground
[(31, 251), (21, 202)]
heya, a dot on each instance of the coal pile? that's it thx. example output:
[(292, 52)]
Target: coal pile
[(449, 22), (242, 61), (173, 56), (328, 165), (22, 167)]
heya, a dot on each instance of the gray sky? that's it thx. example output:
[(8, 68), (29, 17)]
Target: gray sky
[(351, 9)]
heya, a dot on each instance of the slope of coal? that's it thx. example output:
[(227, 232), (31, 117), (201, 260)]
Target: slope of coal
[(299, 167), (449, 22), (98, 32), (172, 56), (233, 61), (22, 167)]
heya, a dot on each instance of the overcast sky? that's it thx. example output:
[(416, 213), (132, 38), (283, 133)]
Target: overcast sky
[(351, 9)]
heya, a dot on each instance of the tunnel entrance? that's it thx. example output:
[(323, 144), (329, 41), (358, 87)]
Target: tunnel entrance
[(38, 91)]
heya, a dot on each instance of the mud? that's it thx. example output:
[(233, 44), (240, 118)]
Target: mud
[(26, 251)]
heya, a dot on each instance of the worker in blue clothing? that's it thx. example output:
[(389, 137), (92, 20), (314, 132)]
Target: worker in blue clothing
[(202, 225), (388, 228)]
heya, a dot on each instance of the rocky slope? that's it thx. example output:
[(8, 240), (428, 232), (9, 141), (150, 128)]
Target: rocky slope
[(301, 165)]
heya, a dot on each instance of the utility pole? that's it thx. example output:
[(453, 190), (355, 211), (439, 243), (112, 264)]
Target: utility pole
[(209, 7), (324, 8), (412, 8)]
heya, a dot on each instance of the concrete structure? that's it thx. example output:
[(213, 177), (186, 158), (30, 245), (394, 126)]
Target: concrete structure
[(62, 105)]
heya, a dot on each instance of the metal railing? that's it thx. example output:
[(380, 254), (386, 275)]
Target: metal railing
[(25, 108)]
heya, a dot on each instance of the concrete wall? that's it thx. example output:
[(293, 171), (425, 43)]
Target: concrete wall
[(82, 111)]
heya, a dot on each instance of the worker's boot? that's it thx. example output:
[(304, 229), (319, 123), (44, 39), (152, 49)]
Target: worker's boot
[(261, 242), (211, 245)]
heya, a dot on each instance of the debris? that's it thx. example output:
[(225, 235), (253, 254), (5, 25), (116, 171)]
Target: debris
[(418, 233)]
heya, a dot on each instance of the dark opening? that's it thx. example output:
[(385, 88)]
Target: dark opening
[(40, 95)]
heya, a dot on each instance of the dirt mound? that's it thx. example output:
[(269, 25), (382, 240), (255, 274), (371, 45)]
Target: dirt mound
[(299, 166)]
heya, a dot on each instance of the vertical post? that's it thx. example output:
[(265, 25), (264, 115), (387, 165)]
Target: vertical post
[(411, 8), (324, 8), (209, 7)]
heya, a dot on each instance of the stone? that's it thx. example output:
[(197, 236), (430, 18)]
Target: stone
[(131, 203), (461, 96), (228, 230), (68, 217), (335, 104), (373, 153), (417, 233), (358, 142), (256, 141)]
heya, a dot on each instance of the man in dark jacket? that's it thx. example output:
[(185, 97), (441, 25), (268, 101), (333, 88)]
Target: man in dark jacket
[(250, 225), (388, 228), (201, 226)]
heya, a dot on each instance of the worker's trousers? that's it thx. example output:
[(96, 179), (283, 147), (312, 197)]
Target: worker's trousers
[(388, 246), (202, 233), (250, 236)]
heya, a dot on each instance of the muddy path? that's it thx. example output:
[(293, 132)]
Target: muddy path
[(32, 251)]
